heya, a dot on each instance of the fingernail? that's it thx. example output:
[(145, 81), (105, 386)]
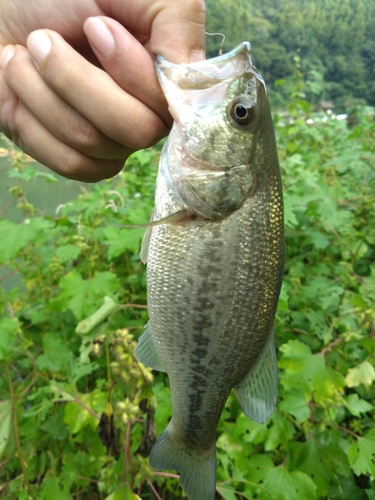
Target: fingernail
[(6, 55), (99, 36), (39, 45), (196, 56)]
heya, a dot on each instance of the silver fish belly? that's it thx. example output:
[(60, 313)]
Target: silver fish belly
[(215, 270)]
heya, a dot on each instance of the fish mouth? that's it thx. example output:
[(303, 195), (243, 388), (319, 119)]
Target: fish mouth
[(206, 73), (209, 71)]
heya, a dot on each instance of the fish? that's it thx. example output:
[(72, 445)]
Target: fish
[(214, 253)]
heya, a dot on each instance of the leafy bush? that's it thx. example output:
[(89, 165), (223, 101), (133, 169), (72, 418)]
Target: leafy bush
[(78, 414)]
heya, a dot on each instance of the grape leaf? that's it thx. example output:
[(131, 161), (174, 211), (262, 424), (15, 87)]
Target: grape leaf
[(226, 492), (285, 485), (81, 296), (356, 405), (361, 454), (67, 253), (295, 403), (55, 354), (317, 462), (361, 374), (8, 328), (123, 493), (5, 424), (50, 489), (119, 240), (280, 432)]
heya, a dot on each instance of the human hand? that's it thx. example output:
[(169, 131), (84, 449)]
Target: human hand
[(59, 106)]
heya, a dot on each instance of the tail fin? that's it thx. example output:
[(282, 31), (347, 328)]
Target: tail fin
[(197, 470)]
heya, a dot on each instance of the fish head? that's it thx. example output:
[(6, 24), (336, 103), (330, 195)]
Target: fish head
[(221, 120)]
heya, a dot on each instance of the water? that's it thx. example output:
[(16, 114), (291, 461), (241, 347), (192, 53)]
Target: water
[(45, 196)]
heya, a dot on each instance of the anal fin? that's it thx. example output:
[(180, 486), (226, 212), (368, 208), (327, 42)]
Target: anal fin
[(146, 351), (257, 392), (197, 468)]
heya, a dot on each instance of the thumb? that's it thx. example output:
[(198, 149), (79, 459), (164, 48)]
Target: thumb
[(178, 31), (173, 28)]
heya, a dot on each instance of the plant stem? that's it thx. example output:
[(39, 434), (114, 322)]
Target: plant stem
[(126, 450), (108, 362), (348, 431), (153, 489), (16, 434), (332, 344), (166, 474)]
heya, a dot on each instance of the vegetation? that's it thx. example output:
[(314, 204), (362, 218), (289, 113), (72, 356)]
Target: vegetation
[(78, 414), (333, 39)]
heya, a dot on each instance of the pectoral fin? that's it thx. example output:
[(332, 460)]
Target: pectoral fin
[(146, 351), (257, 392), (176, 218), (145, 245)]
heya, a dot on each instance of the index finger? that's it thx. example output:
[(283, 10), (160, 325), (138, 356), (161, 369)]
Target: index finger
[(176, 28)]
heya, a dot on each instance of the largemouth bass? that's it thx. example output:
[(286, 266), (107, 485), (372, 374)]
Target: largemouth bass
[(215, 264)]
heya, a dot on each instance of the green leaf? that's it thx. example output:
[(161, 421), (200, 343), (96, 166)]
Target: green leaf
[(317, 322), (50, 489), (370, 494), (281, 432), (295, 403), (80, 463), (8, 328), (67, 253), (299, 365), (259, 467), (119, 240), (123, 493), (56, 354), (319, 240), (289, 215), (336, 460), (283, 298), (346, 489), (249, 431), (78, 417), (88, 342), (5, 424), (81, 369), (327, 383), (369, 344), (362, 453), (13, 237), (318, 463), (361, 374), (226, 492), (28, 173), (82, 296), (356, 405), (285, 485), (309, 372)]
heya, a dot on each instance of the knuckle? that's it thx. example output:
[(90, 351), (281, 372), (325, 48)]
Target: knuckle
[(73, 165), (84, 134), (149, 130)]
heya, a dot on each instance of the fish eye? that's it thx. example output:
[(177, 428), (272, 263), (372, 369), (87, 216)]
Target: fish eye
[(241, 111)]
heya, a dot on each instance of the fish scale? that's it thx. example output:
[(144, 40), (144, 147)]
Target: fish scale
[(214, 273)]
